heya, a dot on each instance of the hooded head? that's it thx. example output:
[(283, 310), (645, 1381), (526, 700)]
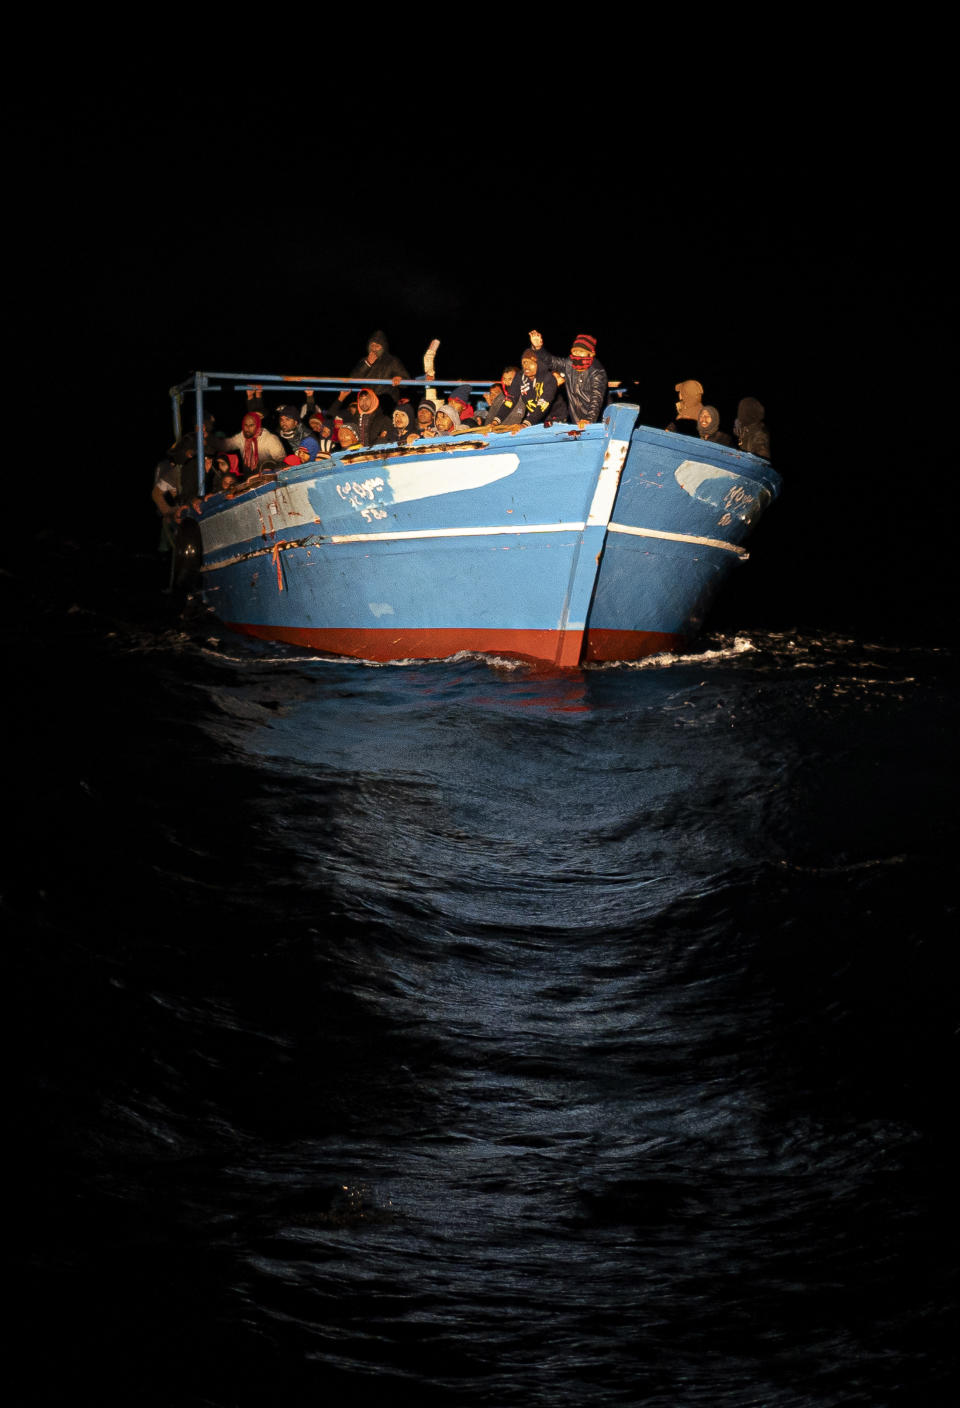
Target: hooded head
[(750, 411), (377, 345), (250, 425), (708, 421), (452, 415), (312, 447), (690, 399), (367, 401)]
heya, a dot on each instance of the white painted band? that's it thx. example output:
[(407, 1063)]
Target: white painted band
[(680, 538), (508, 530), (608, 482)]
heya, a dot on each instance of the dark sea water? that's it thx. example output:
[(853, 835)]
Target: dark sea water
[(464, 1034)]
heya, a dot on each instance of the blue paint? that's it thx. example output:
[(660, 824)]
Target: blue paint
[(322, 546)]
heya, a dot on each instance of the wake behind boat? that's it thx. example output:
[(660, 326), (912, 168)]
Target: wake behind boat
[(549, 543)]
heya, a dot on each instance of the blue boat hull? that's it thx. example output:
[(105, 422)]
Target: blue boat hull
[(548, 544)]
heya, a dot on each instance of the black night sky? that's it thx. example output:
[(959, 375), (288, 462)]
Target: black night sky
[(743, 245)]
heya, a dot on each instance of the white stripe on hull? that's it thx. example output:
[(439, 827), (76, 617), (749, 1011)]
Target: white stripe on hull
[(679, 538)]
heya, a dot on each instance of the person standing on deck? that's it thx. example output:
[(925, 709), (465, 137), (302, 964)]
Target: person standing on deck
[(584, 378), (377, 362)]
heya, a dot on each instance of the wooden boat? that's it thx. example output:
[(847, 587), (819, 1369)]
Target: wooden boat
[(549, 543)]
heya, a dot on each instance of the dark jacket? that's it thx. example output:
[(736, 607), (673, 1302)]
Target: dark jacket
[(527, 400), (373, 426), (386, 365), (585, 389), (712, 431), (750, 430)]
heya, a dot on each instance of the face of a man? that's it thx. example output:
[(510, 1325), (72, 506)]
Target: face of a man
[(373, 351), (424, 417), (287, 422), (444, 423), (530, 366), (365, 402), (347, 437), (249, 427)]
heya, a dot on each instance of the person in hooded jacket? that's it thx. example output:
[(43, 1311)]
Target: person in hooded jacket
[(750, 430), (377, 363), (460, 398), (448, 419), (584, 378), (689, 406), (404, 429), (372, 424), (307, 450), (708, 427), (225, 473)]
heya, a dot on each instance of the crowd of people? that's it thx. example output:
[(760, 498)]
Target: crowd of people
[(542, 389)]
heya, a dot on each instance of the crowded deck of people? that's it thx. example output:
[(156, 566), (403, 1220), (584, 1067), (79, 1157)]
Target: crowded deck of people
[(381, 405)]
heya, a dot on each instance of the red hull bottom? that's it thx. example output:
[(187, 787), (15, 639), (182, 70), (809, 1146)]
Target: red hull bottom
[(559, 648)]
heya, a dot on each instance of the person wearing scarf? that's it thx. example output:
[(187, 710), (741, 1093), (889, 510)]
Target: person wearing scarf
[(291, 430), (584, 378), (256, 446), (708, 427)]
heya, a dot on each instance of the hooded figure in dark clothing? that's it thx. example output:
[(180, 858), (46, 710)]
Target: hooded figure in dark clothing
[(404, 427), (750, 430), (708, 425), (377, 363), (689, 406)]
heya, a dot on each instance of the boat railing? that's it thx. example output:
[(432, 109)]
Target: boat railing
[(200, 383)]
